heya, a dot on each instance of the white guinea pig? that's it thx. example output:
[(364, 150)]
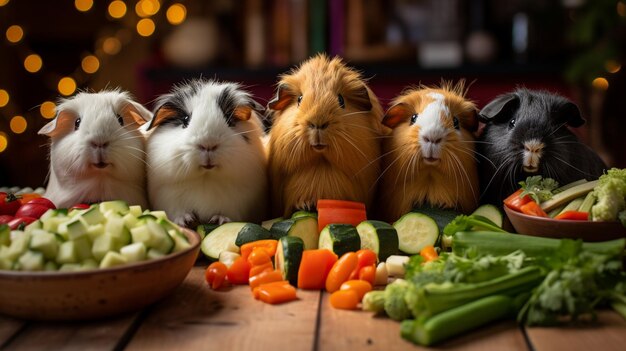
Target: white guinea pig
[(206, 160), (96, 150)]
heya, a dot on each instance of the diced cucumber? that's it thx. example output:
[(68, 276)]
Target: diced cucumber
[(221, 239), (380, 237), (340, 239), (180, 240), (227, 257), (83, 246), (31, 261), (169, 225), (115, 227), (204, 229), (92, 215), (146, 217), (52, 213), (50, 266), (76, 229), (159, 238), (5, 235), (94, 231), (154, 254), (268, 224), (251, 232), (490, 212), (112, 259), (303, 227), (71, 267), (302, 213), (52, 224), (130, 220), (33, 225), (18, 246), (118, 206), (89, 263), (415, 231), (134, 252), (67, 253), (103, 244), (44, 242), (135, 210), (159, 214), (288, 257)]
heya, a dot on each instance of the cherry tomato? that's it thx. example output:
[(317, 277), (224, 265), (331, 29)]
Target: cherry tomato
[(366, 258), (4, 219), (239, 271), (42, 201), (368, 274), (25, 198), (15, 223), (259, 256), (344, 299), (215, 275), (9, 205), (31, 210), (361, 287), (341, 271)]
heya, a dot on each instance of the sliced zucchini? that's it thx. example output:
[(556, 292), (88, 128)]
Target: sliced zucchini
[(303, 213), (288, 257), (303, 227), (415, 231), (380, 237), (251, 232), (221, 239), (340, 238), (441, 216), (268, 224), (204, 229), (490, 212), (228, 258)]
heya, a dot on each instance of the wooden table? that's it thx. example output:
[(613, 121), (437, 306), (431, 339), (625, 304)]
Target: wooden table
[(196, 318)]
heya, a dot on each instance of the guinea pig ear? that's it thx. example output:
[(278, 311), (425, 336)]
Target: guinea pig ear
[(361, 99), (135, 113), (570, 114), (63, 123), (470, 121), (397, 114), (162, 114), (499, 109), (284, 97)]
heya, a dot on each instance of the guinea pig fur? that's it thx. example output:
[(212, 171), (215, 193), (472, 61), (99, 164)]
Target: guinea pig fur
[(206, 161), (527, 134), (325, 140), (429, 159), (96, 150)]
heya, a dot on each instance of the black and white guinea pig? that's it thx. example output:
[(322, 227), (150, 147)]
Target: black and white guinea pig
[(206, 159), (96, 150), (527, 134)]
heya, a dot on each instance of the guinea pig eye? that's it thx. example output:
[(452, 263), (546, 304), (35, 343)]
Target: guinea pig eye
[(342, 103), (455, 120), (185, 121), (414, 118), (299, 100), (120, 120), (512, 123), (76, 123)]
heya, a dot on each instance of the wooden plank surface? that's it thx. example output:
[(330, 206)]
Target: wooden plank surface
[(357, 330), (96, 335), (196, 318), (8, 328), (608, 334)]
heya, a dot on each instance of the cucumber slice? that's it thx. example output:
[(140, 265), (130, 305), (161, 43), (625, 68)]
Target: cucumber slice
[(82, 246), (303, 227), (490, 212), (302, 213), (204, 229), (380, 237), (159, 238), (340, 238), (251, 232), (415, 231), (441, 216), (221, 239), (18, 246), (154, 254), (135, 210), (288, 257)]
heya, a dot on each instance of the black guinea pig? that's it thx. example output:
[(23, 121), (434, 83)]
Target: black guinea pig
[(527, 134)]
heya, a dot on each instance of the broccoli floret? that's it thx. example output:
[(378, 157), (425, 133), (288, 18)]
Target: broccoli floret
[(610, 194), (374, 301), (395, 305)]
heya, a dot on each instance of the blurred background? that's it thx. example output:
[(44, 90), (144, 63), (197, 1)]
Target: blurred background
[(52, 49)]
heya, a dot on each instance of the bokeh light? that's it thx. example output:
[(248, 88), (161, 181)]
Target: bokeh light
[(14, 33), (145, 27), (111, 46), (48, 109), (612, 66), (18, 124), (600, 83), (4, 97), (83, 5), (33, 63), (3, 2), (90, 64), (117, 9), (147, 8), (176, 14), (621, 8), (4, 142), (67, 86)]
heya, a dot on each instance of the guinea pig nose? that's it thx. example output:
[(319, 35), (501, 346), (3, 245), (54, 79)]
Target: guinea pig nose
[(429, 139), (318, 126), (99, 145), (209, 147)]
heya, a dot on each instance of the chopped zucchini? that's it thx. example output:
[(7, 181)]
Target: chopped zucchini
[(118, 206), (268, 224), (288, 257), (134, 252), (228, 258), (44, 242), (490, 212), (303, 213), (112, 259), (251, 232), (5, 235), (303, 227), (31, 261), (380, 237), (340, 239), (415, 231), (441, 216), (221, 239), (204, 229)]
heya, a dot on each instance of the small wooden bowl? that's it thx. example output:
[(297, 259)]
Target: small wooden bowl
[(557, 228), (96, 293)]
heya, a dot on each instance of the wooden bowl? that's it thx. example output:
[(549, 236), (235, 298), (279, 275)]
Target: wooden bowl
[(96, 293), (558, 228)]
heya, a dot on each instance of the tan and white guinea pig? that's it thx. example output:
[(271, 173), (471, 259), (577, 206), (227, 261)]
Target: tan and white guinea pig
[(96, 150), (429, 159), (206, 160), (325, 139)]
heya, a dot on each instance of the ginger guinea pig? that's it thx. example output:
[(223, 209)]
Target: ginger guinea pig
[(206, 160), (429, 158), (96, 150), (325, 139)]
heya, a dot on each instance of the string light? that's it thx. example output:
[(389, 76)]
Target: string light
[(83, 5), (612, 66), (90, 64), (48, 109), (176, 14), (33, 63), (14, 33), (4, 142), (3, 2), (67, 86), (147, 8), (117, 9), (111, 46), (145, 27), (600, 83), (18, 124), (4, 98)]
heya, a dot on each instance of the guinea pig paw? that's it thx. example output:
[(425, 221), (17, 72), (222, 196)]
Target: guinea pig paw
[(219, 219), (187, 220)]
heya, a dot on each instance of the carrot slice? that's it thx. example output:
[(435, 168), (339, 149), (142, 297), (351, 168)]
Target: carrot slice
[(275, 294), (314, 268), (341, 271), (429, 253), (515, 202), (269, 245), (533, 209), (573, 215), (265, 277), (329, 203)]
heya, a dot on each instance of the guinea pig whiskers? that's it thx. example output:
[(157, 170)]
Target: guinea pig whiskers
[(388, 167), (462, 172), (570, 165), (508, 160), (376, 159), (167, 161), (557, 129), (351, 141)]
